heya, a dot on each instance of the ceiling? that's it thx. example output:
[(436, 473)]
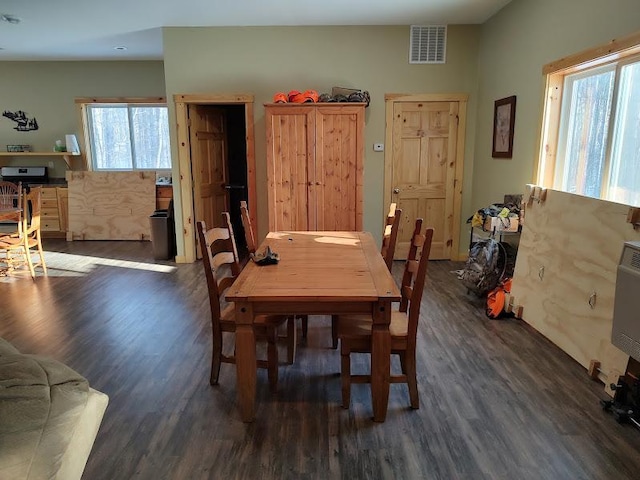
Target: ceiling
[(92, 29)]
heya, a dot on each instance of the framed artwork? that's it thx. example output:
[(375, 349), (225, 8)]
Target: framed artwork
[(504, 118)]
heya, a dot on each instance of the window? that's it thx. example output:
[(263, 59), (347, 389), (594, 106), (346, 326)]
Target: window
[(591, 129), (126, 136)]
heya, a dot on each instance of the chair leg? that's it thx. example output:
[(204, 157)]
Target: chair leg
[(305, 325), (412, 381), (334, 331), (403, 364), (43, 264), (345, 376), (216, 357), (272, 359), (292, 340), (32, 270)]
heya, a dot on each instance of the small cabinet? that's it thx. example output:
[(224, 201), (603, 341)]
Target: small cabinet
[(164, 194), (54, 213)]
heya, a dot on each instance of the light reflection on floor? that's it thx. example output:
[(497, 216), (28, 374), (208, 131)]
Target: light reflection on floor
[(69, 265)]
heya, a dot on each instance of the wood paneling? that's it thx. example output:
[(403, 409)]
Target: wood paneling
[(569, 249), (315, 166), (110, 205)]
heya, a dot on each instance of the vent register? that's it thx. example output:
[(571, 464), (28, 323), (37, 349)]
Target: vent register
[(428, 44), (626, 323)]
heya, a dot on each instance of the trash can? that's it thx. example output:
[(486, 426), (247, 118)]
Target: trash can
[(160, 235)]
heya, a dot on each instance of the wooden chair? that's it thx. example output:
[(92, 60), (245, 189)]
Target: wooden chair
[(252, 245), (11, 198), (28, 237), (248, 228), (221, 269), (354, 331), (389, 240), (390, 235)]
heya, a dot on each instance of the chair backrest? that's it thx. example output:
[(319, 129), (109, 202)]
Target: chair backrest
[(11, 197), (413, 280), (390, 234), (248, 228), (220, 263), (33, 203)]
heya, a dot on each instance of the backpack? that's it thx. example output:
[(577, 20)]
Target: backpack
[(496, 299), (489, 262)]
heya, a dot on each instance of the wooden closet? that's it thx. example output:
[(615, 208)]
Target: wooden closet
[(314, 166)]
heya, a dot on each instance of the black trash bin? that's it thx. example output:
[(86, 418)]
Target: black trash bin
[(163, 234), (160, 235)]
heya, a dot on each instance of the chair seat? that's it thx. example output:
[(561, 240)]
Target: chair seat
[(353, 326), (11, 241)]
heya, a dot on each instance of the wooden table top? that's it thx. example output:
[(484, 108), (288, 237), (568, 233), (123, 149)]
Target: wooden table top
[(317, 266)]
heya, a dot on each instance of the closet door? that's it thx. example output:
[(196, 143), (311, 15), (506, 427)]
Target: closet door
[(290, 156), (336, 189)]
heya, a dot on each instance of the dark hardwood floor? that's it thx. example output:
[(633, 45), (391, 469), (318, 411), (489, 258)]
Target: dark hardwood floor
[(498, 401)]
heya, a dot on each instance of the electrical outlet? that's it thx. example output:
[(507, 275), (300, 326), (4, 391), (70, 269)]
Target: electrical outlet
[(51, 164), (378, 147)]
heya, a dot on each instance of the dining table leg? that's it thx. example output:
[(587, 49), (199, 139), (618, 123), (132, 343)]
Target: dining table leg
[(246, 364), (380, 360)]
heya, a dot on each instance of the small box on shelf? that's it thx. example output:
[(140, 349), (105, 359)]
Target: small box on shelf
[(19, 148)]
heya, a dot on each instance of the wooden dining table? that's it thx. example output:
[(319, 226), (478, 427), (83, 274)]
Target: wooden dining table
[(318, 273)]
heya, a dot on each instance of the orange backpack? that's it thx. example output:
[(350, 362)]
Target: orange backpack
[(496, 299)]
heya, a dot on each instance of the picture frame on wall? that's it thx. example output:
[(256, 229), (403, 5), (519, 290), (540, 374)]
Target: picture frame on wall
[(504, 119)]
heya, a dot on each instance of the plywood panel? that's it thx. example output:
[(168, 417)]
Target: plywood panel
[(569, 249), (110, 205)]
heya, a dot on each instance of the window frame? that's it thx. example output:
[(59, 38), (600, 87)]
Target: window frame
[(83, 103), (619, 52)]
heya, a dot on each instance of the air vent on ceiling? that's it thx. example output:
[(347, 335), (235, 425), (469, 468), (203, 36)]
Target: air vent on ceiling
[(428, 44)]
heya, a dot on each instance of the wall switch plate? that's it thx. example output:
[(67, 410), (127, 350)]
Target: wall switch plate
[(50, 163), (378, 147)]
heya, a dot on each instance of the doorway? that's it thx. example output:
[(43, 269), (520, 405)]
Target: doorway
[(216, 163), (423, 167)]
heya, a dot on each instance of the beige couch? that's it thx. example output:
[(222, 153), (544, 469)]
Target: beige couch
[(49, 417)]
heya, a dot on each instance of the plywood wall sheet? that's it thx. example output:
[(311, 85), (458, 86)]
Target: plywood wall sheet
[(110, 205), (570, 248)]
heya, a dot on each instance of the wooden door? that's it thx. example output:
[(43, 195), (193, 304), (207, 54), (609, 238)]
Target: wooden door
[(423, 164), (290, 155), (208, 136), (336, 189)]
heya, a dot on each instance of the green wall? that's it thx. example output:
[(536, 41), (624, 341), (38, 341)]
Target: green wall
[(502, 57), (515, 44), (263, 61), (47, 90)]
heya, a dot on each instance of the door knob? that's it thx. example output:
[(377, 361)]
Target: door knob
[(396, 190)]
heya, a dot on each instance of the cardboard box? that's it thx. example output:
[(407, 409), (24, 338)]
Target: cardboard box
[(499, 224)]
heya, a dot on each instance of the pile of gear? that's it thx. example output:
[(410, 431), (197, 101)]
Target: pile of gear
[(491, 263), (498, 210), (311, 96)]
